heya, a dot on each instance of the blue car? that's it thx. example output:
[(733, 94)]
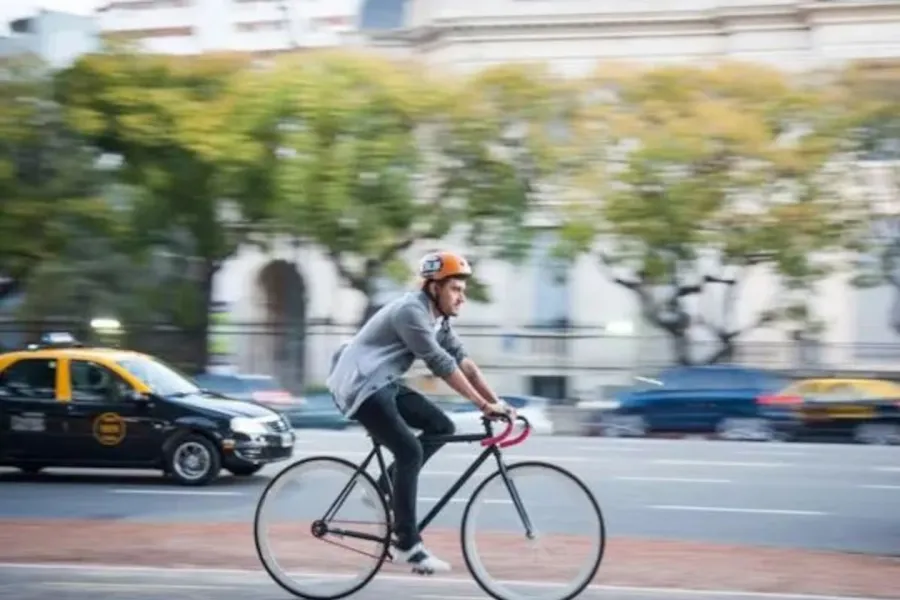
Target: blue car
[(701, 400)]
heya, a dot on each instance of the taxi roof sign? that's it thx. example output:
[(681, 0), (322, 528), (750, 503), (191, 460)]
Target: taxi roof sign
[(57, 339)]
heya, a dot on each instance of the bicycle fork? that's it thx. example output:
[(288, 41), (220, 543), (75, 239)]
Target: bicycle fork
[(514, 494)]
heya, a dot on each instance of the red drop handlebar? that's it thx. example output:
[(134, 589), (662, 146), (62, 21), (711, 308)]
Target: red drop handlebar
[(500, 439)]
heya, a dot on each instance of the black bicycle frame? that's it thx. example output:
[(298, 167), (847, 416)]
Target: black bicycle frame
[(492, 450)]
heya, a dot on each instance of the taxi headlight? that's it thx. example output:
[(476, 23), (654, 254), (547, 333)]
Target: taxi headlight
[(247, 426)]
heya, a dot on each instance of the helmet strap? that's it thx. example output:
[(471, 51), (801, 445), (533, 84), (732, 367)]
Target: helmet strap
[(437, 305)]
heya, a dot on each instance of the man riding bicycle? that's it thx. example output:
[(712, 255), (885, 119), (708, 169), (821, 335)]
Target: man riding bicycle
[(365, 381)]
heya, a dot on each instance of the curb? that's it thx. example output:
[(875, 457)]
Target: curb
[(663, 592)]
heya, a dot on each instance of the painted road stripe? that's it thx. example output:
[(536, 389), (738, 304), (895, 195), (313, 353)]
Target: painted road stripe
[(153, 492), (887, 469), (242, 577), (763, 511), (671, 479), (130, 587), (719, 463), (464, 500)]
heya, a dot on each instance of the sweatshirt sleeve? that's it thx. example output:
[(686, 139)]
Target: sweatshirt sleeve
[(414, 328), (454, 345)]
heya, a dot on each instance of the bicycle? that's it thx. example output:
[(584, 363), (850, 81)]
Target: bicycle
[(322, 527)]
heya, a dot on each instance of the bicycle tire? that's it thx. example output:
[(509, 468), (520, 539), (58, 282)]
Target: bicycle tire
[(257, 518), (475, 569)]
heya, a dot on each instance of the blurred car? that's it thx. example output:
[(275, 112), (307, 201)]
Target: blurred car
[(866, 411), (467, 417), (66, 405), (695, 400), (320, 412), (308, 411)]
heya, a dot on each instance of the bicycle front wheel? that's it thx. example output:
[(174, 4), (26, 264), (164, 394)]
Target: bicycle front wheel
[(322, 531), (533, 532)]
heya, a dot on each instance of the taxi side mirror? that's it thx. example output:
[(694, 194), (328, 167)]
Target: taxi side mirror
[(137, 397)]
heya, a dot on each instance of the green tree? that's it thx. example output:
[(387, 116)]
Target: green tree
[(48, 183), (694, 178), (867, 97), (376, 155), (170, 120)]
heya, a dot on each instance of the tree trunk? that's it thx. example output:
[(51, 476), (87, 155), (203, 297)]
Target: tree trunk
[(201, 328), (370, 309)]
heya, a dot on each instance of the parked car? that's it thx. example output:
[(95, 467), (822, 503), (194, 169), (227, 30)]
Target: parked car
[(320, 412), (308, 411), (866, 411), (467, 417), (697, 400), (66, 405)]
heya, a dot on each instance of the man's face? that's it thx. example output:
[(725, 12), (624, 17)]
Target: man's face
[(451, 296)]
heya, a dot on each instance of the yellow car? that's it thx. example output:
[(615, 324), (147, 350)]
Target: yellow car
[(864, 410), (64, 405)]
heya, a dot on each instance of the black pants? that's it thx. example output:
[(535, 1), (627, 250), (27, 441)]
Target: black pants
[(388, 415)]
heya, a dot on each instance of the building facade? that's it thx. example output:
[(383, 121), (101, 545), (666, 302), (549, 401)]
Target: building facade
[(572, 36), (514, 333), (258, 26), (57, 38)]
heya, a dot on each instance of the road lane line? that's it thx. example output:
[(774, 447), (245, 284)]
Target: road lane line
[(245, 574), (671, 479), (877, 486), (464, 500), (762, 511), (105, 586), (719, 463), (152, 492), (887, 469)]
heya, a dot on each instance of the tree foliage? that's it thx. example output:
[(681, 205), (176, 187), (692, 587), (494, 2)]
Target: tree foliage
[(48, 180), (376, 155), (169, 119), (867, 95), (698, 176)]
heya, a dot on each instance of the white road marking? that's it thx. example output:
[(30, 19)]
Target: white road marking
[(246, 577), (671, 479), (105, 586), (464, 500), (152, 492), (718, 463), (763, 511), (877, 486), (887, 469), (770, 452)]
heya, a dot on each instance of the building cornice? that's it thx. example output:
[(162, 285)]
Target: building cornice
[(787, 16)]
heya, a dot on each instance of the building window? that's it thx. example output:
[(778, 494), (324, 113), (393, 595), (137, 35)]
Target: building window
[(276, 25), (149, 4), (332, 21), (162, 32)]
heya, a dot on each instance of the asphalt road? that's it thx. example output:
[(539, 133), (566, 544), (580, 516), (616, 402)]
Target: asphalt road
[(792, 495), (88, 583)]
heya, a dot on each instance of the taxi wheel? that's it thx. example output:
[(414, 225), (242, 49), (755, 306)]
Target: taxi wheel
[(193, 460)]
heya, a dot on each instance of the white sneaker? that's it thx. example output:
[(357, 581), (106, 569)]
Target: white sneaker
[(421, 560)]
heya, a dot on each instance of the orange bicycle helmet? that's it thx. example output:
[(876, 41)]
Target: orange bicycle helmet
[(437, 266)]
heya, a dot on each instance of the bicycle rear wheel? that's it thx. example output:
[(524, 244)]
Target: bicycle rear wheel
[(340, 526), (532, 495)]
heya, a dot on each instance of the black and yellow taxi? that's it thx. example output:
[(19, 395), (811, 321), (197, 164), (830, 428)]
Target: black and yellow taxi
[(866, 411), (66, 405)]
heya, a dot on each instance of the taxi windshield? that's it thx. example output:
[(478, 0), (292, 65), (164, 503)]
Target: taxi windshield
[(161, 378)]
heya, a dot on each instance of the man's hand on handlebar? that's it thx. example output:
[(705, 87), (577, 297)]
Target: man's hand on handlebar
[(496, 409)]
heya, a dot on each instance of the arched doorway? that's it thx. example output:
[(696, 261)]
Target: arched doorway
[(284, 296)]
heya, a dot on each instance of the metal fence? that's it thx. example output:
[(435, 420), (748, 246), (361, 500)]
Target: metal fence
[(573, 363)]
